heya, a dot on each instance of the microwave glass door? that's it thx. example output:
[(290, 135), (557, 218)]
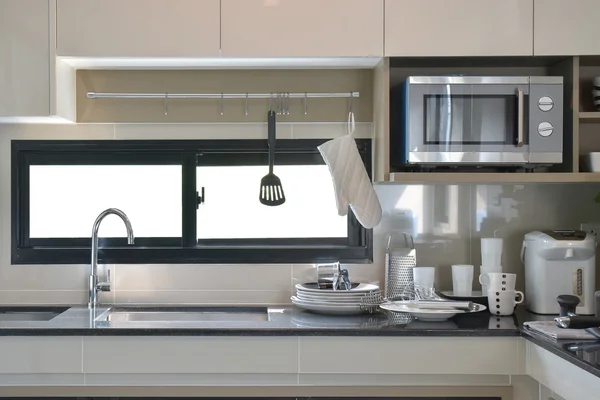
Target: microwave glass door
[(470, 119)]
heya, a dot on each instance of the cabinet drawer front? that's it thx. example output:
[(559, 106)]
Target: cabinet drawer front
[(40, 355), (410, 355), (190, 355), (138, 28), (458, 27), (302, 28)]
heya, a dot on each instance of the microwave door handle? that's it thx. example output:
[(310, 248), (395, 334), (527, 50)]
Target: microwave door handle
[(520, 118)]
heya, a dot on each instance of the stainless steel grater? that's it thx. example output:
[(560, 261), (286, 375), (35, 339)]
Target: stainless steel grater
[(399, 264)]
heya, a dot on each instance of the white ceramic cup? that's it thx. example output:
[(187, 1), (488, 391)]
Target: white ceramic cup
[(462, 279), (503, 303), (487, 269), (424, 277), (498, 280), (491, 251)]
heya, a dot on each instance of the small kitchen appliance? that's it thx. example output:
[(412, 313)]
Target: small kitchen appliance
[(559, 262), (478, 121)]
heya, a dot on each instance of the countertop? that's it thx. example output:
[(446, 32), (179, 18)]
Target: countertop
[(292, 321), (281, 321)]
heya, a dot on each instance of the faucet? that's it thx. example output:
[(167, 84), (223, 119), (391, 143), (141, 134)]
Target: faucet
[(95, 286)]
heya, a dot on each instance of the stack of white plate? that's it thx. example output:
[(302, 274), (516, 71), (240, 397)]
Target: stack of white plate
[(329, 301)]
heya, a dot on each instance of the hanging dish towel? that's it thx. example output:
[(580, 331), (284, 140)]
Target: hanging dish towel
[(350, 179)]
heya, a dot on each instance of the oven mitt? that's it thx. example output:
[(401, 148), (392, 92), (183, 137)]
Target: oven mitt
[(350, 180)]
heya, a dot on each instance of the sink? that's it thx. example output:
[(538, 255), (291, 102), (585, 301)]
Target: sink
[(185, 314), (29, 313)]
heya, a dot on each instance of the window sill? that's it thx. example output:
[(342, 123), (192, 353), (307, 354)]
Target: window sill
[(198, 255)]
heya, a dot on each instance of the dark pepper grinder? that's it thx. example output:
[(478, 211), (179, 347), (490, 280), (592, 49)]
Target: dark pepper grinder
[(568, 304)]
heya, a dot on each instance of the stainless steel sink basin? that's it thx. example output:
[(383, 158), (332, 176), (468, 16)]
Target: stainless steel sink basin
[(188, 314), (29, 314)]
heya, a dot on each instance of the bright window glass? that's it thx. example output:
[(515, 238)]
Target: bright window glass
[(66, 199), (232, 209)]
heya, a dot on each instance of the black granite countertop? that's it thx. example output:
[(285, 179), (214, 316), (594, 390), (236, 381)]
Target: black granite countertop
[(291, 321), (274, 321)]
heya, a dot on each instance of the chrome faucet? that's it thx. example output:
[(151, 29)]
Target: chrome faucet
[(95, 286)]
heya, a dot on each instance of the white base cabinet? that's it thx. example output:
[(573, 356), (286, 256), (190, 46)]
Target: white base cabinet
[(233, 366)]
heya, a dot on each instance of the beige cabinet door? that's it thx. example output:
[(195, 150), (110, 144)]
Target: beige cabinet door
[(138, 28), (567, 27), (302, 28), (458, 27), (24, 58)]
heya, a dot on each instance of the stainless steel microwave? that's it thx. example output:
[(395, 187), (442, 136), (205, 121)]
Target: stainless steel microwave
[(480, 120)]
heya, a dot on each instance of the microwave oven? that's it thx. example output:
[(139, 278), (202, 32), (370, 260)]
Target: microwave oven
[(478, 120)]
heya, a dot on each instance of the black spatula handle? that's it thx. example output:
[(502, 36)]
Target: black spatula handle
[(272, 137)]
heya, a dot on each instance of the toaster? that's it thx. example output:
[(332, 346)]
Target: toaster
[(559, 262)]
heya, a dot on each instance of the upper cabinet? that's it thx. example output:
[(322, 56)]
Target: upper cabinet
[(567, 27), (302, 28), (24, 58), (459, 27), (137, 28)]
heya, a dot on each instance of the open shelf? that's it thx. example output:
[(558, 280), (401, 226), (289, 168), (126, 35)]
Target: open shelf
[(593, 116), (493, 177)]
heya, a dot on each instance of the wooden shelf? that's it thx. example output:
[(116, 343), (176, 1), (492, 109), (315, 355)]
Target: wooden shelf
[(590, 116), (494, 177)]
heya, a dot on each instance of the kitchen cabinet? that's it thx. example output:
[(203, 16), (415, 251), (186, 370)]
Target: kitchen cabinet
[(138, 28), (302, 28), (459, 27), (566, 27), (24, 58)]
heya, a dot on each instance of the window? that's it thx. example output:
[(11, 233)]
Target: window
[(60, 187)]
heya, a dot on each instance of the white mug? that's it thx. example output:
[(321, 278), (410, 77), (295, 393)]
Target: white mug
[(487, 269), (462, 280), (504, 302), (498, 280)]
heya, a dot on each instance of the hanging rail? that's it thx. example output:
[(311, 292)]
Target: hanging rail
[(95, 95)]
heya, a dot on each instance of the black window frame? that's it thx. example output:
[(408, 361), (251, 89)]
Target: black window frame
[(356, 248)]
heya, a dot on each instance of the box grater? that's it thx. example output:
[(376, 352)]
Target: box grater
[(399, 263)]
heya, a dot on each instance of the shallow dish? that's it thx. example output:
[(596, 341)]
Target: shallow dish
[(425, 314), (360, 288)]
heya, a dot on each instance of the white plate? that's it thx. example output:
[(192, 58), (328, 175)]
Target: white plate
[(362, 288), (320, 297), (424, 314), (326, 308), (335, 305), (330, 302)]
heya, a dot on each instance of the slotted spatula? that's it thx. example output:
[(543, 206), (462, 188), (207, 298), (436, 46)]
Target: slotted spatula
[(271, 190)]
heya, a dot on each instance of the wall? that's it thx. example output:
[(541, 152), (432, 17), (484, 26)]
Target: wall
[(217, 81), (446, 220), (66, 284)]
